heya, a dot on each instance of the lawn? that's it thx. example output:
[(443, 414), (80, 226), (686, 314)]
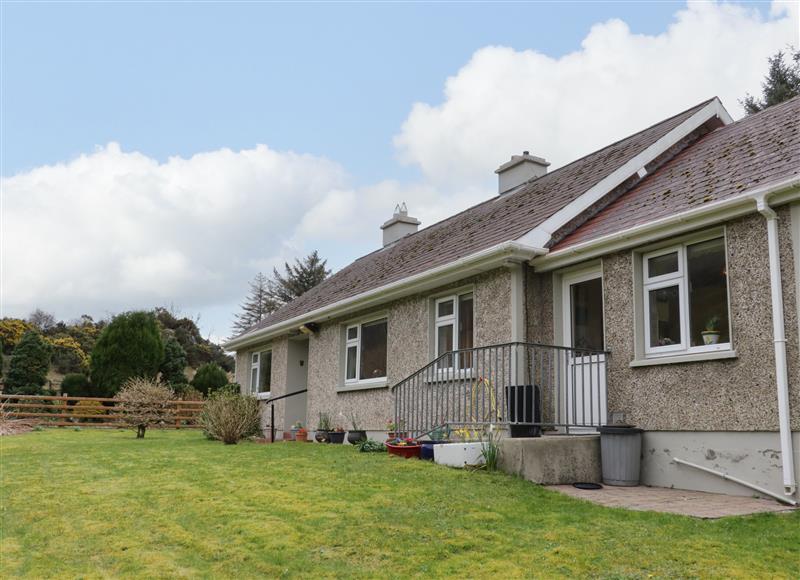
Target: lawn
[(102, 504)]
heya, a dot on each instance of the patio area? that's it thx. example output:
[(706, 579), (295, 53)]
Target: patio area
[(696, 504)]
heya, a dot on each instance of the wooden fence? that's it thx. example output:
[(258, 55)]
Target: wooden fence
[(88, 411)]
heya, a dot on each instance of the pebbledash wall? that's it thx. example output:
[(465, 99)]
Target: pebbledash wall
[(722, 414), (409, 343), (409, 347)]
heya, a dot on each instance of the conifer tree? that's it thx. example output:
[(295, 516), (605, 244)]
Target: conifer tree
[(781, 83), (298, 278), (256, 306)]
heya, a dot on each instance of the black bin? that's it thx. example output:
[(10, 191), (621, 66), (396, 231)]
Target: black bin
[(524, 406)]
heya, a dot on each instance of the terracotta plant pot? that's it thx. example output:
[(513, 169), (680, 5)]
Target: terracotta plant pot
[(287, 436), (336, 437), (301, 436), (356, 436)]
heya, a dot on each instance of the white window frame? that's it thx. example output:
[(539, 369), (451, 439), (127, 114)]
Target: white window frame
[(439, 321), (255, 365), (678, 278), (350, 342)]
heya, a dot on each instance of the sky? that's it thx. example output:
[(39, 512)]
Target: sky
[(161, 154)]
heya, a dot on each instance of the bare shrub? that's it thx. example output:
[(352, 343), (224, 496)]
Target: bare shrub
[(230, 417), (9, 426), (145, 402)]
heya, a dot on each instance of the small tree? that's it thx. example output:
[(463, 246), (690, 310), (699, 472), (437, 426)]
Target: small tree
[(145, 402), (76, 385), (172, 369), (209, 378), (230, 417), (256, 306), (781, 83), (298, 279), (42, 320), (30, 361), (130, 346)]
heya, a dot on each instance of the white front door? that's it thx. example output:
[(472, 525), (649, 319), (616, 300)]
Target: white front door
[(584, 384)]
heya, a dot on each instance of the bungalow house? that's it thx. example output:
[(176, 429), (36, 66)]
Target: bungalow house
[(652, 282)]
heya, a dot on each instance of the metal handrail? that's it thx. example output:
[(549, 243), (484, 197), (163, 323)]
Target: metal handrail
[(512, 383), (271, 402)]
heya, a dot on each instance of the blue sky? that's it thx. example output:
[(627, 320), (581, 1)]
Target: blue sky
[(333, 80), (164, 153)]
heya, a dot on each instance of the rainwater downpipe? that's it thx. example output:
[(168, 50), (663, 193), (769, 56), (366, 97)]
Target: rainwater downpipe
[(779, 340)]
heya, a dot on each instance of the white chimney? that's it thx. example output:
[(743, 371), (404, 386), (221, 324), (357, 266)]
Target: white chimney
[(518, 170), (399, 226)]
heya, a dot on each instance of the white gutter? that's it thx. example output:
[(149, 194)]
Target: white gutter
[(781, 191), (481, 261), (757, 488), (779, 340)]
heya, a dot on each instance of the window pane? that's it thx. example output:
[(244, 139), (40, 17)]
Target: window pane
[(660, 265), (708, 293), (445, 308), (587, 314), (373, 350), (444, 343), (352, 333), (265, 376), (351, 362), (254, 380), (255, 358), (665, 324)]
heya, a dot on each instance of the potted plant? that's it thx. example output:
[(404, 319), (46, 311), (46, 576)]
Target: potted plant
[(356, 434), (395, 430), (295, 428), (323, 428), (301, 435), (404, 447), (337, 435), (711, 332)]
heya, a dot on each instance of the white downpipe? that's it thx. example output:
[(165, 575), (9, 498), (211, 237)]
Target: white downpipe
[(759, 489), (779, 340)]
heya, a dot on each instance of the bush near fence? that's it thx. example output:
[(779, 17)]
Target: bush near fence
[(61, 411)]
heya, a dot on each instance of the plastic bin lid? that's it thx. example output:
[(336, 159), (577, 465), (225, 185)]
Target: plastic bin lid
[(619, 430)]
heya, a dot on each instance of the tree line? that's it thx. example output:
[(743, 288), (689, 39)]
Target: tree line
[(98, 357)]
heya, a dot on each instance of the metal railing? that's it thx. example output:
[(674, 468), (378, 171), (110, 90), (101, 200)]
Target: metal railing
[(271, 402), (516, 384)]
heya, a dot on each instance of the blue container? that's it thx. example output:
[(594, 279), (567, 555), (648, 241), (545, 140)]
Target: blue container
[(427, 449)]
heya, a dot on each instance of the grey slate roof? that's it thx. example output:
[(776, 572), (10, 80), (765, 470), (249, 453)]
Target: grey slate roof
[(756, 150), (491, 222)]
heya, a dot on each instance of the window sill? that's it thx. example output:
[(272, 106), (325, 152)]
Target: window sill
[(684, 358), (262, 396), (444, 375), (363, 385)]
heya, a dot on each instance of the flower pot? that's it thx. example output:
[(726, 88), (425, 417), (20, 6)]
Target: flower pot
[(407, 451), (287, 436), (336, 437), (301, 436), (710, 336), (396, 435), (322, 436), (356, 436)]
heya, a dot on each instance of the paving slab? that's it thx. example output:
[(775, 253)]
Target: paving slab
[(698, 504)]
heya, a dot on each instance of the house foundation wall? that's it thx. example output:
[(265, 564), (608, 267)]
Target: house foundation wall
[(754, 457)]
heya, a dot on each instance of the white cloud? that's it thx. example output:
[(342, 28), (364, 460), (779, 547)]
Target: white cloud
[(115, 230), (505, 101)]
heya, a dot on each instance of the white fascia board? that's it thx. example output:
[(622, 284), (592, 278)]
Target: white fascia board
[(482, 261), (541, 234), (779, 192)]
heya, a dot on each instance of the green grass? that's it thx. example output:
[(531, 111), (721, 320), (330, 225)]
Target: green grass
[(102, 504)]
